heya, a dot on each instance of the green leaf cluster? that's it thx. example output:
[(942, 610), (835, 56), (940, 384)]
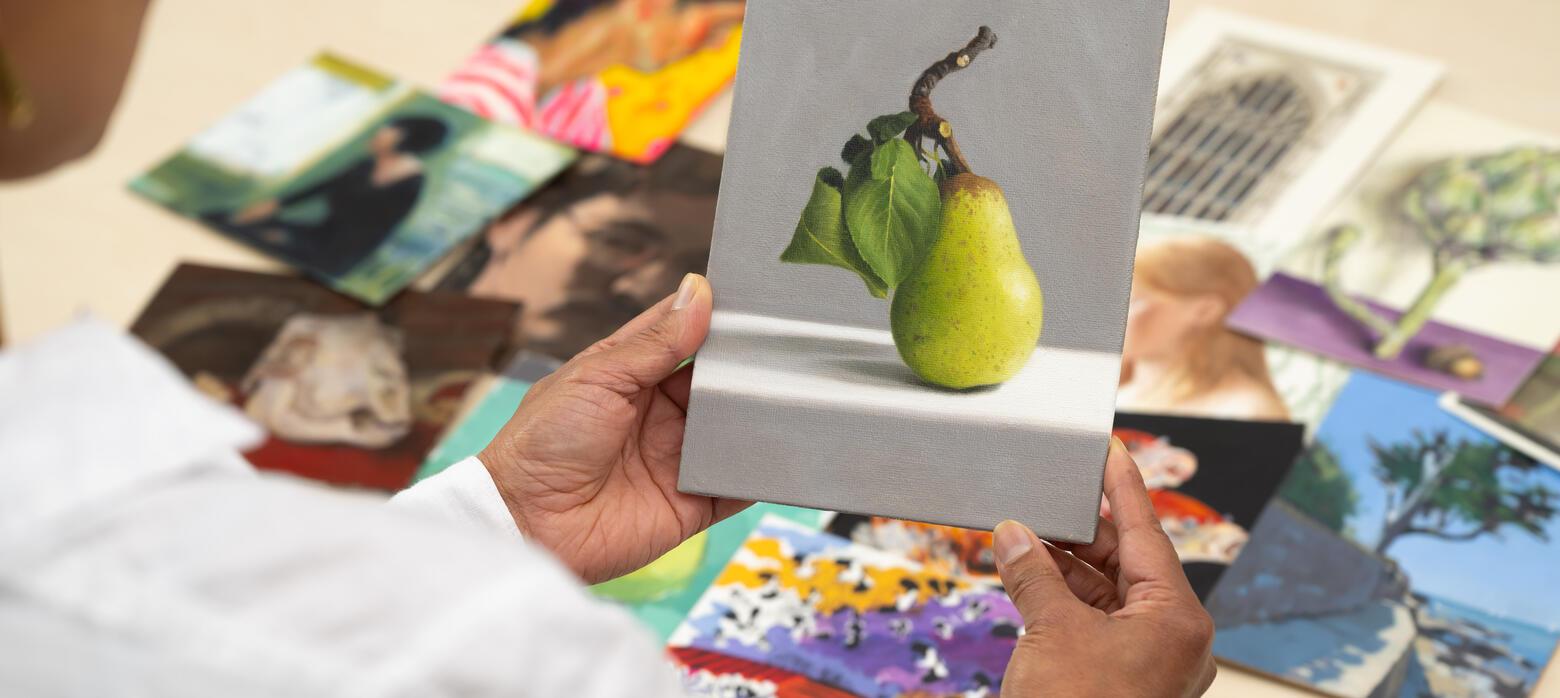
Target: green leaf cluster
[(1318, 486), (880, 218)]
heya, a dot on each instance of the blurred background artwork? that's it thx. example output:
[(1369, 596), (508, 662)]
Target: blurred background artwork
[(621, 77), (1455, 222), (1409, 554), (1530, 421), (354, 177), (596, 247), (348, 395)]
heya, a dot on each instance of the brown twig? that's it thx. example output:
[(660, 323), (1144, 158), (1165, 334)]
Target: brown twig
[(929, 124)]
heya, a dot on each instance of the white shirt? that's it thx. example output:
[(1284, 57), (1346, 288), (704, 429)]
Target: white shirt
[(140, 555)]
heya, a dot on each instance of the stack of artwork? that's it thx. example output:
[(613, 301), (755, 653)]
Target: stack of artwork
[(1333, 376)]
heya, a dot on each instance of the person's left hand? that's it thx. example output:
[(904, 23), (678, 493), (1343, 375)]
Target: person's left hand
[(588, 463)]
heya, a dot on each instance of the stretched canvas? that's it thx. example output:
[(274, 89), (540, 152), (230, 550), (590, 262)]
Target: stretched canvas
[(1530, 421), (914, 300), (1426, 270), (1261, 125), (355, 177), (619, 77), (851, 617), (1208, 480), (1408, 554), (348, 395), (596, 247)]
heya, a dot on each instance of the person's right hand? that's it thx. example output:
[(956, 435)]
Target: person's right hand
[(255, 212), (1112, 618)]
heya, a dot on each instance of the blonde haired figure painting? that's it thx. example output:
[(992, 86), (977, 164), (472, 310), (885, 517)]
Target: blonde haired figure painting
[(1178, 357)]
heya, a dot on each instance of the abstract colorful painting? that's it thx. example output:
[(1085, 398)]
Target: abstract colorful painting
[(352, 176), (1408, 554), (851, 617), (349, 395), (620, 77)]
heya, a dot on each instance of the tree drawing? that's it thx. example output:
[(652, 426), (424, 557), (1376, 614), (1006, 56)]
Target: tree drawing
[(1318, 486), (1458, 491), (1470, 211)]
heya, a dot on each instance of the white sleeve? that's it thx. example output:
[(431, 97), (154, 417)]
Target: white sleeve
[(464, 495)]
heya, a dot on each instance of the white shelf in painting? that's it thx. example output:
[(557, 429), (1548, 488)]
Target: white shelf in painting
[(811, 364)]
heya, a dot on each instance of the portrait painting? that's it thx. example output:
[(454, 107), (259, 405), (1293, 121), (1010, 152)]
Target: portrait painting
[(355, 178), (598, 246)]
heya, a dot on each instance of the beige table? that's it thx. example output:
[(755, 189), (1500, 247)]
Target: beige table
[(76, 240)]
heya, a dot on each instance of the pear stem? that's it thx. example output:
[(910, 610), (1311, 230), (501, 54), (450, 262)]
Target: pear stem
[(929, 124)]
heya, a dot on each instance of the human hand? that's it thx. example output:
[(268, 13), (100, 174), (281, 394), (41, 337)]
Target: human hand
[(1112, 618), (255, 212), (588, 463)]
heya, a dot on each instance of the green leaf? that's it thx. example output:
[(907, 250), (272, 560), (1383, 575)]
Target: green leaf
[(891, 210), (854, 148), (820, 236), (887, 126)]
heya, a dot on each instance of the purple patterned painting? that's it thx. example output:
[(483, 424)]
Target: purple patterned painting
[(1299, 313), (852, 617)]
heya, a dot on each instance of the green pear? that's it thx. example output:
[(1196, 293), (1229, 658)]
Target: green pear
[(969, 314)]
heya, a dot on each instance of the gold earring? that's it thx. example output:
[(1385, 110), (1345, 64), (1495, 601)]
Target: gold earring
[(16, 109)]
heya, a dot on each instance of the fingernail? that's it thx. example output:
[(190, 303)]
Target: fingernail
[(685, 291), (1011, 541), (1116, 446)]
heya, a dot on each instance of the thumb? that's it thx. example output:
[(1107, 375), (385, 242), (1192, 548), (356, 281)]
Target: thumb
[(657, 341), (1029, 574)]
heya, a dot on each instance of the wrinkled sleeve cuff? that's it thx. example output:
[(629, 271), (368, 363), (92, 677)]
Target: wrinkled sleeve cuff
[(463, 494)]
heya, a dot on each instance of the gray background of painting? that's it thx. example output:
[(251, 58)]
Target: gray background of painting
[(1058, 114)]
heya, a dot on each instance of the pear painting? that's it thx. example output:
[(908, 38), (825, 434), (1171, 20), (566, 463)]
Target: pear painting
[(913, 219)]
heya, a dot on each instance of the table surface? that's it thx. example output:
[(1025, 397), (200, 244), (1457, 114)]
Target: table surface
[(76, 240)]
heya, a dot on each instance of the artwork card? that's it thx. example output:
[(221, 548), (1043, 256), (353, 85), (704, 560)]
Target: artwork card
[(619, 77), (1408, 554), (1180, 356), (358, 179), (1208, 480), (1530, 422), (851, 617), (913, 300), (599, 245), (1261, 126), (348, 395), (1424, 271)]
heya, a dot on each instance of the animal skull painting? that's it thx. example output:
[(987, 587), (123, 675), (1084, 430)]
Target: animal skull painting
[(332, 379)]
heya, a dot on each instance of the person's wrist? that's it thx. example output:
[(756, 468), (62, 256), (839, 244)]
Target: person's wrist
[(499, 468)]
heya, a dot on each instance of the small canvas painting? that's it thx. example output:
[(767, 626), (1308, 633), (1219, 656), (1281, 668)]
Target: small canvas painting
[(348, 395), (853, 618), (618, 77), (1424, 271), (356, 178), (1408, 554), (603, 242), (921, 275), (1208, 479)]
